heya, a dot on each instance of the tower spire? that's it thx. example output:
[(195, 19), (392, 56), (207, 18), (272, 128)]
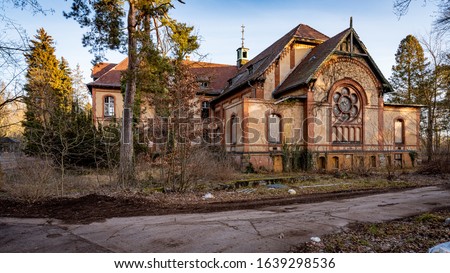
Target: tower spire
[(242, 52), (351, 22)]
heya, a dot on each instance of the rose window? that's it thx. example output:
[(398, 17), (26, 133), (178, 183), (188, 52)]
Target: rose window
[(346, 105)]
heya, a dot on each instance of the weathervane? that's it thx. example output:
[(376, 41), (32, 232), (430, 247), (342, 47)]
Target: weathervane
[(243, 31)]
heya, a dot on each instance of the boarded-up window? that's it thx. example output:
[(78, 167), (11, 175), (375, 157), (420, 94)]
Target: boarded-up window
[(399, 132), (336, 162), (274, 134), (322, 163), (233, 129), (373, 161)]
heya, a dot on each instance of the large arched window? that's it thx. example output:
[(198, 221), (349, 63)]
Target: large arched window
[(233, 129), (399, 131), (346, 115), (108, 106), (274, 128)]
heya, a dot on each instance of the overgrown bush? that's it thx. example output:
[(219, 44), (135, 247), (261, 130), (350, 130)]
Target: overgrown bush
[(198, 167), (440, 164), (296, 158), (31, 180)]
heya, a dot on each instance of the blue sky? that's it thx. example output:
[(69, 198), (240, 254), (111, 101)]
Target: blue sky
[(218, 22)]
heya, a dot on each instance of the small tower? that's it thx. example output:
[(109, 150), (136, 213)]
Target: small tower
[(242, 52)]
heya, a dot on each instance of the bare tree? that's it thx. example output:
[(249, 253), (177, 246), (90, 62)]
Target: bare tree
[(441, 23), (13, 45), (435, 89)]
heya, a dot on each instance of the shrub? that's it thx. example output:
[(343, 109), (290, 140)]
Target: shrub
[(440, 164), (198, 166), (296, 158), (32, 179)]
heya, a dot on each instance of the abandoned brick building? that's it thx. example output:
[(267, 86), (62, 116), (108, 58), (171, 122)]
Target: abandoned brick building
[(305, 92)]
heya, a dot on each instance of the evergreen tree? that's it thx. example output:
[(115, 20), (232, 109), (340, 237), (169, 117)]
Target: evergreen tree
[(64, 86), (56, 126), (410, 71), (41, 99)]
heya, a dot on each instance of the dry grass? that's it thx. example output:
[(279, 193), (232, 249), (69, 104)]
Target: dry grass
[(31, 180), (34, 179)]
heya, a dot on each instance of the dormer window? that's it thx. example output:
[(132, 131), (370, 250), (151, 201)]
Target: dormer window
[(250, 69), (204, 84)]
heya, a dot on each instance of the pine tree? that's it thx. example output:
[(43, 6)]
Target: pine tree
[(410, 71), (106, 20), (64, 86), (40, 99), (42, 65)]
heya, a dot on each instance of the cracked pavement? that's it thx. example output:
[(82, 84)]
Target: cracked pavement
[(264, 230)]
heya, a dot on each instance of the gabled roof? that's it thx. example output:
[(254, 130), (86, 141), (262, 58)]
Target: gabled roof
[(306, 70), (258, 65)]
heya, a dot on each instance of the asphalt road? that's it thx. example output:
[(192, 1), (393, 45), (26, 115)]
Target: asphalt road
[(265, 230)]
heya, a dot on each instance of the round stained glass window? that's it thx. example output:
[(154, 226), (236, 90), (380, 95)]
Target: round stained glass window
[(346, 105)]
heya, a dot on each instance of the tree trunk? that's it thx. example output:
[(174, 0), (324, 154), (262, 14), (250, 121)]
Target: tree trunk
[(429, 131), (126, 171)]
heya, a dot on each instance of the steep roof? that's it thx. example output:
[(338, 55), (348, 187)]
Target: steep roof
[(216, 74), (312, 63), (100, 69), (258, 65), (111, 78)]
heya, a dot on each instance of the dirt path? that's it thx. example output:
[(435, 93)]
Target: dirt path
[(91, 208)]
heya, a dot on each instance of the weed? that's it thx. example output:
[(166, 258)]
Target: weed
[(429, 218), (375, 230)]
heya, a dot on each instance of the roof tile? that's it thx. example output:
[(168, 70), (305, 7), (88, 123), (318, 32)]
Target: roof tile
[(217, 74)]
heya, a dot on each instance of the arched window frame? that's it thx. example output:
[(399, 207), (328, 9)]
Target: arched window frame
[(336, 162), (338, 129), (399, 133), (279, 137), (234, 123)]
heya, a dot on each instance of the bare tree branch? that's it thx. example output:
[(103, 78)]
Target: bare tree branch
[(401, 7)]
